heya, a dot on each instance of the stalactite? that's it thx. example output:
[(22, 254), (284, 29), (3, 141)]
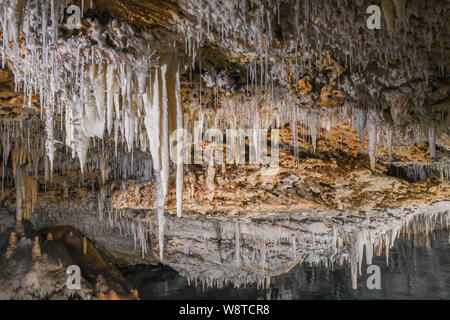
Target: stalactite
[(180, 146), (389, 138), (12, 244)]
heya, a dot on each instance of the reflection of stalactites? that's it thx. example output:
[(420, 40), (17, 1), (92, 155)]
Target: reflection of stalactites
[(387, 245), (20, 192), (237, 243), (229, 239), (267, 288), (294, 247), (354, 262), (36, 251), (360, 242), (369, 247), (218, 230)]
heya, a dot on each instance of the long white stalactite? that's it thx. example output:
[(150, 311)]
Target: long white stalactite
[(97, 91), (180, 146), (83, 68)]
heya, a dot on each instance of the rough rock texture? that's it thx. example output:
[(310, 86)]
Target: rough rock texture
[(337, 177), (213, 250), (34, 266)]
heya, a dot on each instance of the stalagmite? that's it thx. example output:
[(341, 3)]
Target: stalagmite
[(237, 243), (354, 263), (36, 251), (164, 131), (11, 245)]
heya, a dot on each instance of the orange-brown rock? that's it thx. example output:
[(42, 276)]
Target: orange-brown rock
[(331, 98)]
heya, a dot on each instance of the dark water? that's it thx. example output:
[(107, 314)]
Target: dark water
[(418, 268)]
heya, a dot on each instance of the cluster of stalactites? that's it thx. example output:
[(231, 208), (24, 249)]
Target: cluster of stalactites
[(89, 90), (99, 93), (373, 241), (83, 83), (23, 148), (249, 243)]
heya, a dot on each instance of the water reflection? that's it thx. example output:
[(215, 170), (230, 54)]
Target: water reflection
[(418, 268)]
